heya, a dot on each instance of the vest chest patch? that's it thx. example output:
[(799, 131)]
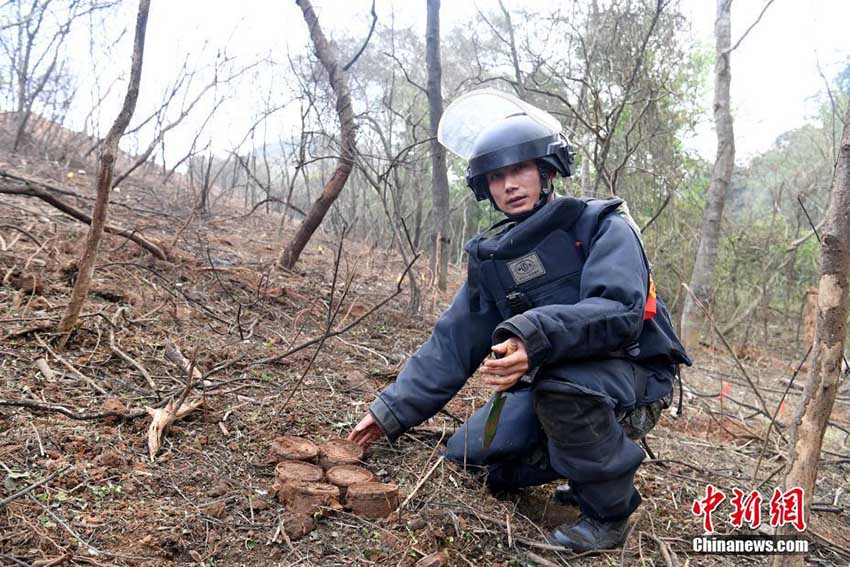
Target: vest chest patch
[(526, 268)]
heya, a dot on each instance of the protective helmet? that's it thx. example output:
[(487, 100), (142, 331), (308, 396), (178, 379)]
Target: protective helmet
[(493, 129)]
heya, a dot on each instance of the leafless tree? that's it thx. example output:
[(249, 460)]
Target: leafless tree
[(441, 233), (103, 182), (812, 415), (703, 272), (32, 39), (702, 276), (339, 83)]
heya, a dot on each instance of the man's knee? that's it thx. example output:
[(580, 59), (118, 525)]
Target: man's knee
[(517, 433), (571, 417)]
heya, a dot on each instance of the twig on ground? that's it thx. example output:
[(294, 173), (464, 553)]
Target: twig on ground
[(14, 560), (667, 554), (422, 481), (305, 344), (97, 387), (33, 486), (24, 232), (837, 548), (162, 418), (64, 558), (331, 317), (776, 412), (731, 351), (93, 550), (174, 356), (632, 530), (126, 357)]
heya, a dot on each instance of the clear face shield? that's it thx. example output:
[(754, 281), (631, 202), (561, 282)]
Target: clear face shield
[(470, 114)]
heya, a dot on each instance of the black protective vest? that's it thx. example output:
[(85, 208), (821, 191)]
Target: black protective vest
[(540, 261)]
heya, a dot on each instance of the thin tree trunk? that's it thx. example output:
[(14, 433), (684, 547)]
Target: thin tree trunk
[(104, 180), (439, 175), (702, 277), (586, 181), (417, 220), (520, 83), (333, 187), (812, 415)]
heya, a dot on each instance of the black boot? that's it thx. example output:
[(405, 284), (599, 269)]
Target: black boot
[(565, 496), (588, 534)]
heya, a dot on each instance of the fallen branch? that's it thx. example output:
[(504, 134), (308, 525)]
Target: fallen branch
[(123, 355), (32, 190), (22, 231), (59, 191), (162, 418), (175, 357)]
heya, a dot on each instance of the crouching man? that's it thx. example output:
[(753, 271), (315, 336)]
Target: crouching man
[(560, 293)]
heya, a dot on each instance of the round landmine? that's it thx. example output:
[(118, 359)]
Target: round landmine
[(291, 448), (372, 499), (308, 497), (344, 476), (287, 472), (339, 452)]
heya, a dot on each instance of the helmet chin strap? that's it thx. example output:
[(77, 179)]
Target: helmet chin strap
[(546, 188)]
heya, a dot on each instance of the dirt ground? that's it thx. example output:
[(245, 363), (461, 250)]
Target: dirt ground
[(206, 499)]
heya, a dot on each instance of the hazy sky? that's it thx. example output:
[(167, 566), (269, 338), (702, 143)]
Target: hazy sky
[(774, 71)]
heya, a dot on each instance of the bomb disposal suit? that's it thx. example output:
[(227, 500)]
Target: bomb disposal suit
[(571, 281)]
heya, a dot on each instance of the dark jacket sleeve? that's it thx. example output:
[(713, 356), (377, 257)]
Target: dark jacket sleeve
[(440, 368), (609, 314)]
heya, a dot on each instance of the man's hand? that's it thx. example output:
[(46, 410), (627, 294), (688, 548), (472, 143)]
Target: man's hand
[(504, 372), (366, 431)]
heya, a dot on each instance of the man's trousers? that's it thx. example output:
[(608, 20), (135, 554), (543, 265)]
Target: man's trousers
[(566, 426)]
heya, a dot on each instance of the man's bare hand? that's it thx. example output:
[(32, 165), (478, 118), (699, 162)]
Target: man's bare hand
[(366, 431), (504, 372)]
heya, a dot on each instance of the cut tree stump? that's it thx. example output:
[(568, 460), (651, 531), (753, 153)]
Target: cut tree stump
[(308, 497), (344, 476), (287, 472), (340, 452), (291, 448), (372, 499)]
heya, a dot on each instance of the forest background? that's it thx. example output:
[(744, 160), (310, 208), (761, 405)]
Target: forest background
[(238, 132)]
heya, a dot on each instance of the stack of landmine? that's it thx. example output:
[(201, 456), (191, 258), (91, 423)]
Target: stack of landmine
[(337, 481)]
